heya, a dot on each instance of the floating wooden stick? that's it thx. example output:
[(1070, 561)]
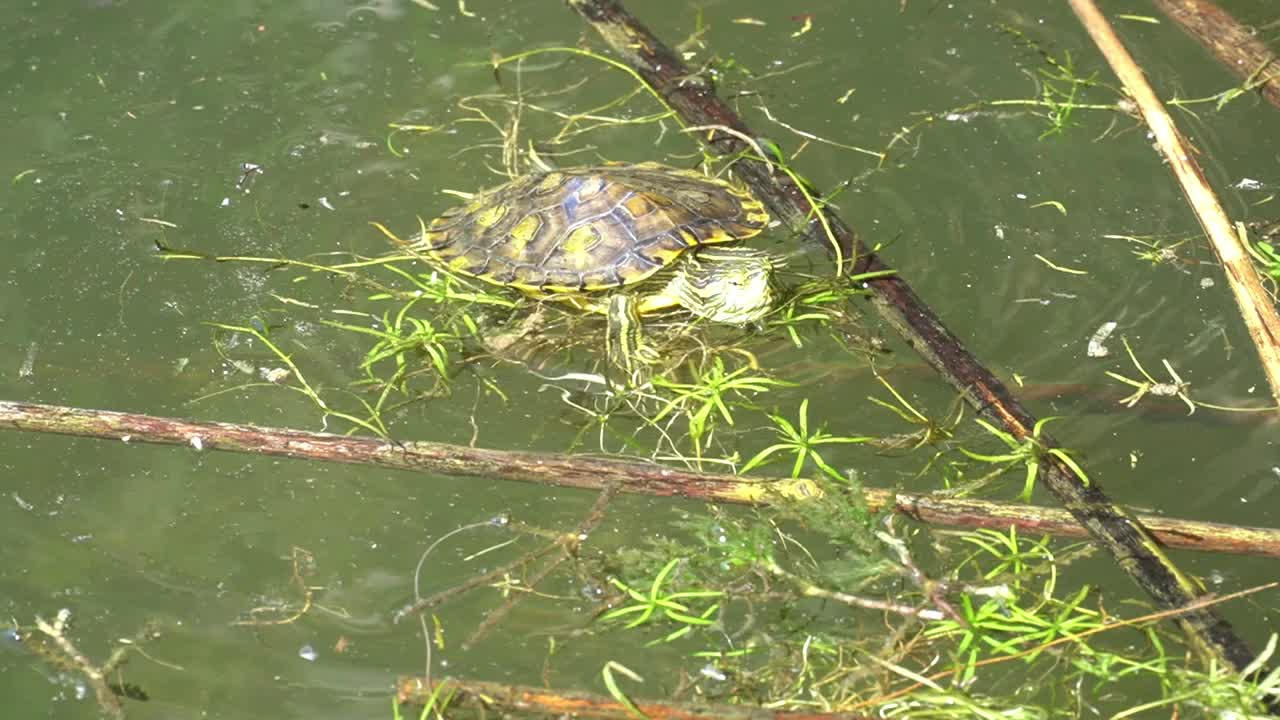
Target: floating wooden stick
[(593, 473)]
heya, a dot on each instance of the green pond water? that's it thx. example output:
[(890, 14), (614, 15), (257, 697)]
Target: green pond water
[(115, 114)]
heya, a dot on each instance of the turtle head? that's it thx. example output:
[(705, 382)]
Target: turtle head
[(727, 285)]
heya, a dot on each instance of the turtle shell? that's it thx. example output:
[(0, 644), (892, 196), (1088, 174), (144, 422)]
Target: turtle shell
[(589, 228)]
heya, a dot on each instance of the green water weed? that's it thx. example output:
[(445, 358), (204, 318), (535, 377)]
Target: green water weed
[(616, 691), (436, 703), (1014, 557), (819, 303), (1060, 89), (797, 439), (1267, 258), (930, 432), (1260, 77), (401, 335), (1029, 452), (714, 390), (1155, 250), (1178, 388), (658, 604)]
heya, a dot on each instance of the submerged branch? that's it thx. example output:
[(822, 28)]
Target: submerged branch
[(592, 473), (1136, 551)]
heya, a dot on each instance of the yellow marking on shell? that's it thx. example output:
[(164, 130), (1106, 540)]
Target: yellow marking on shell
[(520, 236), (459, 262), (639, 205), (524, 231), (715, 235), (550, 182), (490, 216), (664, 255), (581, 241)]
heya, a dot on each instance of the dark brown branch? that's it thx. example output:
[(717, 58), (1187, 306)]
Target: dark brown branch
[(596, 474), (1236, 46), (1132, 545)]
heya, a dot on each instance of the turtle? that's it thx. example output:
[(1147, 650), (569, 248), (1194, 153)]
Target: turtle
[(593, 236)]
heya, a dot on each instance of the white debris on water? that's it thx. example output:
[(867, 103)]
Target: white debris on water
[(28, 367), (1097, 347)]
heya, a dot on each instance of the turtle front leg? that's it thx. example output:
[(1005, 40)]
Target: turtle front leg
[(624, 340)]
